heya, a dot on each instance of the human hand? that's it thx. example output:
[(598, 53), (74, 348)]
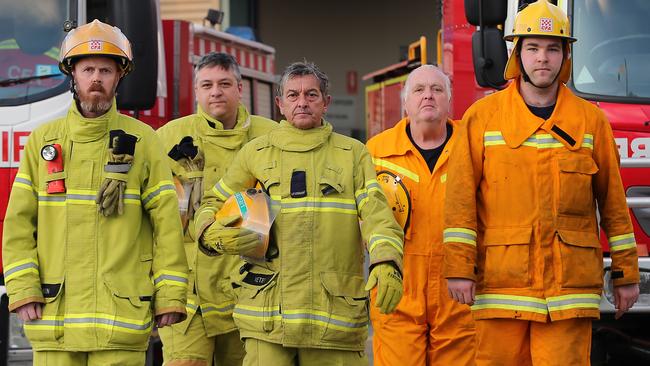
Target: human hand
[(461, 290), (624, 297), (30, 311), (166, 319)]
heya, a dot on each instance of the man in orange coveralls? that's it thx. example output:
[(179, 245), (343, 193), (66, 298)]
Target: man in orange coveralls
[(521, 233), (427, 328)]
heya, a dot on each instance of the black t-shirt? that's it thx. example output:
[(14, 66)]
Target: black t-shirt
[(430, 156), (542, 112)]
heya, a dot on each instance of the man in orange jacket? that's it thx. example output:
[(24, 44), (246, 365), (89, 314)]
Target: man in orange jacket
[(531, 165), (427, 328)]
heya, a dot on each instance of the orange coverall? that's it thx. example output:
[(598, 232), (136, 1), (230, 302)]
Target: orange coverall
[(428, 327), (521, 216)]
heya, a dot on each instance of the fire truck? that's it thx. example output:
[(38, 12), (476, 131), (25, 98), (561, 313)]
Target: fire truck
[(33, 90), (610, 69)]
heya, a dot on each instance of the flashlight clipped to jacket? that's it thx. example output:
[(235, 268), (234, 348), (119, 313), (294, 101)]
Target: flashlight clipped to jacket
[(54, 157)]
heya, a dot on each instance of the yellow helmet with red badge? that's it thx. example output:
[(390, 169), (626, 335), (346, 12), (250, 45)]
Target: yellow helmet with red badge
[(96, 39), (539, 19)]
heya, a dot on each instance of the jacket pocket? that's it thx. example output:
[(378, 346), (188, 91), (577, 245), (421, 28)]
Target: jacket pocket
[(131, 320), (582, 259), (270, 180), (507, 256), (257, 308), (576, 196), (50, 327), (331, 182), (347, 308)]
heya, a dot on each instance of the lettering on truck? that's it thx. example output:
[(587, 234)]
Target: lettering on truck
[(12, 145), (639, 147)]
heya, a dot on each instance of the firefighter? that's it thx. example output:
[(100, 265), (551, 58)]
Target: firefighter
[(92, 195), (212, 137), (532, 164), (427, 328), (306, 303)]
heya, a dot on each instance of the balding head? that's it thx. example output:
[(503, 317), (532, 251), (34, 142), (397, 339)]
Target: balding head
[(426, 94)]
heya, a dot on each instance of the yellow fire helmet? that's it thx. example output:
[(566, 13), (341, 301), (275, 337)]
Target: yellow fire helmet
[(539, 19), (397, 195), (254, 208), (96, 39)]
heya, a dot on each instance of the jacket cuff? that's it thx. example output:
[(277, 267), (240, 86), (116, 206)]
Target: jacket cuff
[(625, 267), (459, 261), (16, 304), (459, 269), (202, 223), (380, 256), (172, 309)]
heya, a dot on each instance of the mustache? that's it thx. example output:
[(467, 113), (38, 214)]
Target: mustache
[(97, 87)]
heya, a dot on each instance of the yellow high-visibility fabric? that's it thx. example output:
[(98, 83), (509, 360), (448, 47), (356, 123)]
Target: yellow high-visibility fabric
[(101, 279), (312, 293)]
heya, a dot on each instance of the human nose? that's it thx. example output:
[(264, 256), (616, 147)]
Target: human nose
[(302, 100), (216, 91), (542, 56)]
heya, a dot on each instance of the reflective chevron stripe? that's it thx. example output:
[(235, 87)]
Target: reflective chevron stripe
[(459, 235), (91, 320), (510, 302), (153, 194), (23, 181), (621, 242), (539, 141), (226, 308), (165, 277), (376, 239), (222, 190), (20, 268), (396, 168), (323, 319), (577, 301)]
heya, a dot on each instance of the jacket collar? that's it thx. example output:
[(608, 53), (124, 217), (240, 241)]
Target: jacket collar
[(397, 141), (243, 121), (82, 129), (289, 138), (519, 123), (229, 139)]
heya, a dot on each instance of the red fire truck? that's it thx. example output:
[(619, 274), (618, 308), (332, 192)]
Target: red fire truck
[(33, 91), (610, 69)]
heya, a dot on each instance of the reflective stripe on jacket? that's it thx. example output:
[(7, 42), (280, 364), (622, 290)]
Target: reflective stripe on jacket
[(100, 277), (392, 150), (521, 208), (311, 294), (210, 285)]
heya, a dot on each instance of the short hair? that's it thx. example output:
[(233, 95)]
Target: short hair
[(303, 68), (223, 60), (407, 83)]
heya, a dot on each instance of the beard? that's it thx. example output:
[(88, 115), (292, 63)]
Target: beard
[(95, 104)]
